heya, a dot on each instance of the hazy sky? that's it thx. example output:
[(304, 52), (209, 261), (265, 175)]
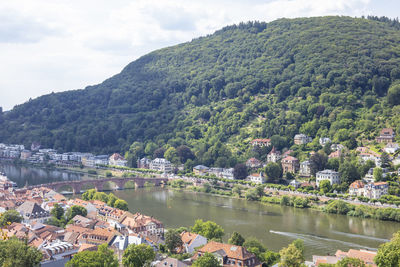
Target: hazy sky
[(56, 45)]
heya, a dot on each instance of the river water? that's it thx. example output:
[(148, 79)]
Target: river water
[(273, 225)]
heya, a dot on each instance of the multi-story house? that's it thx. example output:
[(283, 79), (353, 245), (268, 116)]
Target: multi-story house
[(391, 148), (356, 188), (324, 140), (332, 176), (290, 164), (301, 139), (32, 212), (142, 224), (274, 155), (376, 190), (386, 136), (305, 169), (229, 255), (117, 160), (161, 164), (143, 163), (191, 241), (253, 163), (260, 142), (200, 170), (257, 178)]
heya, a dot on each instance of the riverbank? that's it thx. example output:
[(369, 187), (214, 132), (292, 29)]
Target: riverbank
[(270, 196)]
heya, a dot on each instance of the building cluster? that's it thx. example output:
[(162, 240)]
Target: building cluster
[(366, 256), (374, 190), (39, 155), (302, 169), (103, 224), (225, 173)]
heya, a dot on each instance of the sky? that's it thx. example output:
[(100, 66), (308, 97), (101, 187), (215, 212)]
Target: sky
[(58, 45)]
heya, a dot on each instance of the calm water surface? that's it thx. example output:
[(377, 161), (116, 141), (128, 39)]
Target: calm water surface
[(274, 225)]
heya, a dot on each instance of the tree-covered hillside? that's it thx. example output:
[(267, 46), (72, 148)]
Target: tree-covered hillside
[(325, 76)]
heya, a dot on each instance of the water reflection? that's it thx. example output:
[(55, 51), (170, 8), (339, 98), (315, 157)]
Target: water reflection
[(23, 175), (274, 225)]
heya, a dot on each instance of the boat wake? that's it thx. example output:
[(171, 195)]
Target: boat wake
[(318, 240)]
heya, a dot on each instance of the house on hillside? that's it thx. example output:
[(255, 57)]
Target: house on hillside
[(301, 139), (356, 188), (143, 163), (257, 178), (253, 163), (376, 190), (229, 255), (161, 164), (260, 142), (305, 168), (386, 135), (335, 154), (332, 176), (390, 148), (117, 160), (274, 155), (290, 164), (200, 170), (324, 140)]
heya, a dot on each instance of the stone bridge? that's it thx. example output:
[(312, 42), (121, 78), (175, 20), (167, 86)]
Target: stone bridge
[(100, 183)]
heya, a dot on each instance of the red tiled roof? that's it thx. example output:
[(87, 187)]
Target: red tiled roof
[(232, 251)]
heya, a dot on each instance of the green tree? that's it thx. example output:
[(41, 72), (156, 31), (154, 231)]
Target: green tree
[(103, 257), (350, 262), (172, 155), (393, 95), (208, 229), (236, 239), (348, 172), (10, 216), (378, 174), (173, 240), (385, 160), (184, 153), (111, 200), (273, 171), (88, 195), (100, 196), (121, 204), (138, 256), (207, 260), (75, 210), (291, 256), (318, 162), (240, 171), (14, 252), (389, 253), (255, 247), (57, 211), (325, 186)]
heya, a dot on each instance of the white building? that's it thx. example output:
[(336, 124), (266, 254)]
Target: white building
[(376, 190), (305, 168), (32, 212), (391, 148), (332, 176), (117, 160), (300, 139), (227, 173), (274, 155), (161, 164), (324, 140), (296, 184), (257, 178)]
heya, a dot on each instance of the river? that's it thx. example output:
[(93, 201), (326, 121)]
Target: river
[(274, 225)]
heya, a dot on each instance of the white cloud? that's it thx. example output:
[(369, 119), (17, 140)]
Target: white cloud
[(59, 45)]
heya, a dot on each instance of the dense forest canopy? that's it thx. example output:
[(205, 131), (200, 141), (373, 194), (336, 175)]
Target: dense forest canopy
[(322, 76)]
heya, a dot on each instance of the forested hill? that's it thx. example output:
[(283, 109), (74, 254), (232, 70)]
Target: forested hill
[(324, 76)]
